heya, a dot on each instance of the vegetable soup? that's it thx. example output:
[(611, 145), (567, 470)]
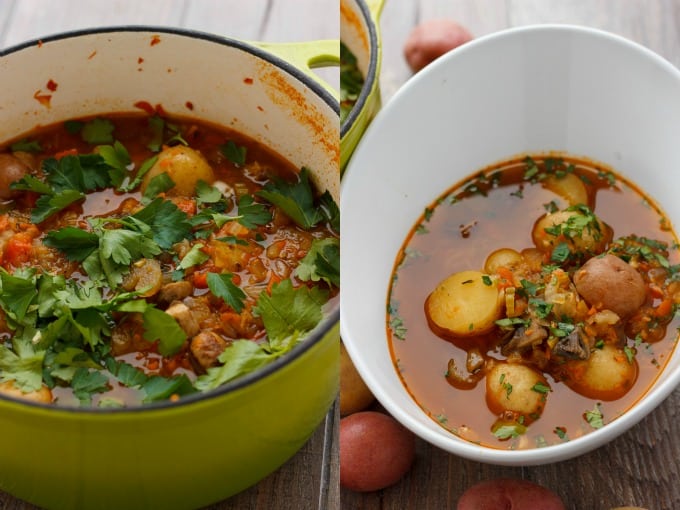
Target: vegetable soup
[(144, 258), (535, 302)]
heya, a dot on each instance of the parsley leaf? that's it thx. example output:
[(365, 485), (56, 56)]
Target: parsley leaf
[(97, 131), (252, 214), (168, 223), (160, 326), (240, 358), (296, 200), (290, 310), (322, 262), (222, 286), (234, 153)]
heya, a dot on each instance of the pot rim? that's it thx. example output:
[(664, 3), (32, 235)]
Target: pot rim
[(314, 337), (372, 73)]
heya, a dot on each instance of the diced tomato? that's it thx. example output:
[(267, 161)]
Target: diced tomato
[(18, 249), (664, 308), (186, 205), (200, 280), (67, 152)]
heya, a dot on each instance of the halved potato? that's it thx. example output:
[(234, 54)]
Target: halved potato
[(607, 374), (516, 388), (568, 186), (465, 304), (503, 257)]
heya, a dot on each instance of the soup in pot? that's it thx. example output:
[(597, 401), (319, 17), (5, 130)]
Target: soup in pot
[(145, 258)]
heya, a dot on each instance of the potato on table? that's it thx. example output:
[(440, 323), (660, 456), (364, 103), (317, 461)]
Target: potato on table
[(506, 493)]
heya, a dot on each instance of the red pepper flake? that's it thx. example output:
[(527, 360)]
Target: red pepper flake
[(40, 43), (43, 99), (160, 110), (189, 105), (52, 85), (140, 60), (260, 108), (146, 106), (248, 81), (155, 40), (92, 55)]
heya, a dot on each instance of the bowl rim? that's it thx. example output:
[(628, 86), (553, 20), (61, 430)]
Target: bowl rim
[(453, 444), (371, 74), (312, 339)]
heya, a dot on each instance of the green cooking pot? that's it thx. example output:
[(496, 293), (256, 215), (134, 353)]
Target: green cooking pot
[(209, 446), (360, 32)]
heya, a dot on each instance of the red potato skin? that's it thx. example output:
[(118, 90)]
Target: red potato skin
[(509, 494), (608, 282), (376, 451), (431, 39)]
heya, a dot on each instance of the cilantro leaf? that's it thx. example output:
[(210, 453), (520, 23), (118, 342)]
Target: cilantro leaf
[(234, 153), (161, 388), (125, 246), (24, 369), (157, 185), (322, 262), (240, 358), (128, 375), (296, 200), (207, 194), (118, 159), (32, 146), (222, 285), (17, 295), (194, 257), (331, 210), (160, 326), (290, 310), (252, 214), (77, 244), (168, 223), (87, 382), (47, 205), (97, 131)]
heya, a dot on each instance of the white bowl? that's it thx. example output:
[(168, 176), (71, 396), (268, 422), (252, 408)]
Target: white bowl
[(531, 89)]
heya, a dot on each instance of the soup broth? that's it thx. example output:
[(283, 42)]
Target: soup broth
[(145, 258), (494, 322)]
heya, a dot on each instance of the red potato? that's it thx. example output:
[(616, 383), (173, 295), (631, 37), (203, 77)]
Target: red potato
[(376, 451), (432, 39), (509, 494)]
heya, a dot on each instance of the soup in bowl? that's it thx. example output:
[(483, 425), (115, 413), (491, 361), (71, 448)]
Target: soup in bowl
[(482, 263)]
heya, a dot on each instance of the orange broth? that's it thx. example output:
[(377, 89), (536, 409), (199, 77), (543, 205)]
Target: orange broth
[(497, 208)]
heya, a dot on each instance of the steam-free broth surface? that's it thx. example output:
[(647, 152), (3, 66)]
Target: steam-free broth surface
[(499, 208)]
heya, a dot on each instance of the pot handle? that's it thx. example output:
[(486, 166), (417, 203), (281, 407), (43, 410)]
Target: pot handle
[(375, 7), (307, 56)]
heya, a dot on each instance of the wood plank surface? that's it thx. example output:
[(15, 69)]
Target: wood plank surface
[(310, 480), (640, 468)]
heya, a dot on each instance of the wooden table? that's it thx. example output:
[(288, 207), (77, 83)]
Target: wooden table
[(309, 481), (640, 468)]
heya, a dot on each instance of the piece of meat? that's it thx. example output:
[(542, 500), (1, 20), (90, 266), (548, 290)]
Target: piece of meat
[(206, 348)]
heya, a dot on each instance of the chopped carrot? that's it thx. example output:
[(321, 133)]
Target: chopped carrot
[(67, 152), (272, 280), (664, 308), (18, 249), (200, 280), (186, 205)]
